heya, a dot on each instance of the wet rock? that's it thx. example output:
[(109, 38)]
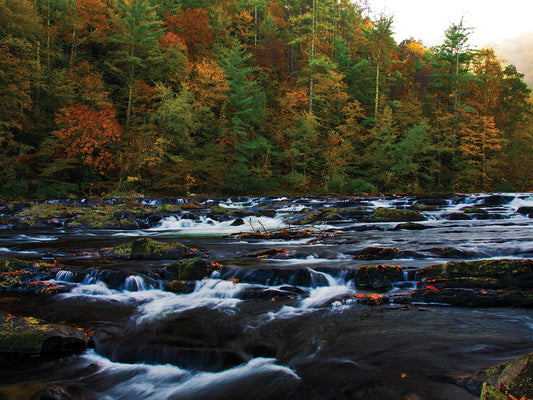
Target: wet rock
[(496, 200), (22, 276), (367, 275), (331, 214), (527, 211), (187, 270), (237, 222), (183, 287), (411, 226), (275, 253), (490, 392), (492, 274), (149, 249), (275, 276), (512, 378), (450, 252), (375, 253), (284, 234), (28, 335), (461, 297), (396, 215), (457, 217), (382, 285), (474, 210), (55, 392), (263, 293), (373, 299)]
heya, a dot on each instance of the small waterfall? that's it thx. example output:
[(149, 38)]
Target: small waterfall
[(135, 283), (65, 276)]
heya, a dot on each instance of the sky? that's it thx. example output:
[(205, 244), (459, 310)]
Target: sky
[(427, 20)]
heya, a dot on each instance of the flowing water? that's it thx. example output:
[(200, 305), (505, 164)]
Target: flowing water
[(292, 333)]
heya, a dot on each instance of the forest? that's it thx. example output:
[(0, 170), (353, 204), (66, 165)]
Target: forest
[(241, 97)]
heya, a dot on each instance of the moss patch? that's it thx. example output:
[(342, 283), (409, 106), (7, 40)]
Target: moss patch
[(394, 215)]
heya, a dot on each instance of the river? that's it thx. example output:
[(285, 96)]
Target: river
[(270, 338)]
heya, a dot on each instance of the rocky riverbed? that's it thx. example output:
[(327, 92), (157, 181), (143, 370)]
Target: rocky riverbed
[(397, 297)]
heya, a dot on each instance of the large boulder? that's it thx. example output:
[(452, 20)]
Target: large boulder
[(28, 335), (512, 379), (150, 249), (488, 274)]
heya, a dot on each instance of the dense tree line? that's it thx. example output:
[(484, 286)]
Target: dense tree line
[(168, 97)]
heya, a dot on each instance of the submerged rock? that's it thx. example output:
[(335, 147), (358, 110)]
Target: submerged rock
[(28, 335)]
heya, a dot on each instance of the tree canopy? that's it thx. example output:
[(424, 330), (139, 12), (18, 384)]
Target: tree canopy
[(249, 97)]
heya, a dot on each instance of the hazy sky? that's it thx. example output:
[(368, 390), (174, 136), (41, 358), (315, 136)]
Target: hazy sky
[(427, 20)]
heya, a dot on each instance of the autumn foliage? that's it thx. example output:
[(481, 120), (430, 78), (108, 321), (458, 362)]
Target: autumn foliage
[(86, 135), (250, 97)]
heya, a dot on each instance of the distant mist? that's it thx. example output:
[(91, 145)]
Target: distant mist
[(518, 51)]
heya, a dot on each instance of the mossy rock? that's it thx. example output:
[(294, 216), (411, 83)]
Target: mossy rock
[(474, 210), (515, 376), (28, 335), (376, 253), (219, 210), (367, 275), (383, 214), (28, 276), (150, 249), (177, 286), (187, 270), (410, 226), (461, 297), (494, 274), (490, 392)]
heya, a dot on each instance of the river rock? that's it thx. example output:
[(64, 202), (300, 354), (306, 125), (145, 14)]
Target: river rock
[(461, 297), (28, 335), (490, 392), (275, 276), (527, 211), (384, 214), (55, 392), (150, 249), (491, 274), (375, 253), (187, 270), (23, 276), (457, 217), (373, 299), (410, 226), (377, 277), (513, 378)]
